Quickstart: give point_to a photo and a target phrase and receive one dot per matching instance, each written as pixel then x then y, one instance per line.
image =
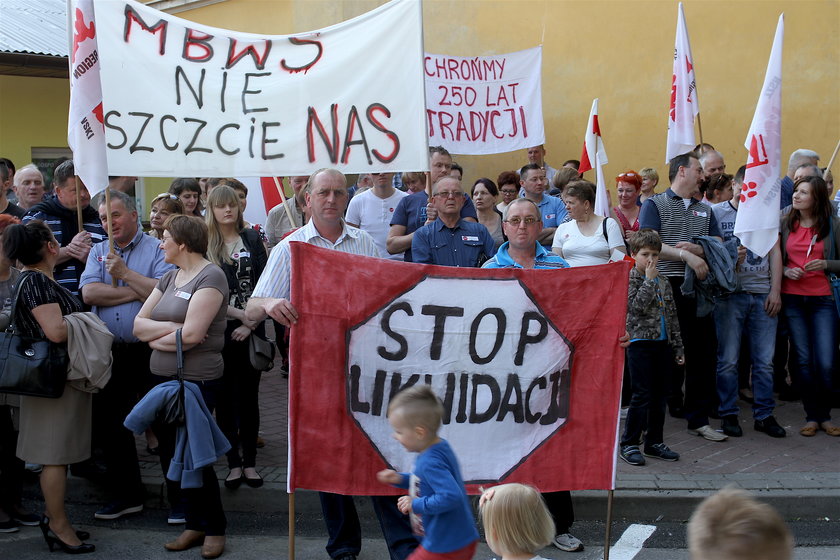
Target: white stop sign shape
pixel 501 368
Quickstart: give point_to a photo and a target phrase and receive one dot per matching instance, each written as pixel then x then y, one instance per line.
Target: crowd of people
pixel 708 321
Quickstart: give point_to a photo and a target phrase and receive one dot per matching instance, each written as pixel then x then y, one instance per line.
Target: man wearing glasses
pixel 522 224
pixel 450 240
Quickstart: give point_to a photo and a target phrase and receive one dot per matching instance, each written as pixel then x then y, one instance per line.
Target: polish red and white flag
pixel 85 130
pixel 594 156
pixel 757 221
pixel 684 103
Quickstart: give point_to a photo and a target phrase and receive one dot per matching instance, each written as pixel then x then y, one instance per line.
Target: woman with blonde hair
pixel 516 521
pixel 241 255
pixel 163 206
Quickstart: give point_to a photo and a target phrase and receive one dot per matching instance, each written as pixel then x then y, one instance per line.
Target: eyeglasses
pixel 165 195
pixel 447 194
pixel 627 175
pixel 509 191
pixel 529 221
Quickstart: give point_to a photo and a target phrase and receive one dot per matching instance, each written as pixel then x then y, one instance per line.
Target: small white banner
pixel 191 100
pixel 485 104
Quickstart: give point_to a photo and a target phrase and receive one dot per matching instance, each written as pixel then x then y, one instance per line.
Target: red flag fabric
pixel 527 363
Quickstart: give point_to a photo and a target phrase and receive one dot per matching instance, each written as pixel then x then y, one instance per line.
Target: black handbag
pixel 261 352
pixel 173 412
pixel 31 366
pixel 833 277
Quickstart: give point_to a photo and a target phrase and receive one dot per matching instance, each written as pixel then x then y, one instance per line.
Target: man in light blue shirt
pixel 136 264
pixel 553 211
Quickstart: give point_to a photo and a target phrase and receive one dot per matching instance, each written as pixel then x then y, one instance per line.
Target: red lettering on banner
pixel 395 140
pixel 131 16
pixel 197 40
pixel 755 159
pixel 305 67
pixel 259 58
pixel 475 125
pixel 332 140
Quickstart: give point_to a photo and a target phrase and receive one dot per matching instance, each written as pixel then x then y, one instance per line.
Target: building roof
pixel 34 27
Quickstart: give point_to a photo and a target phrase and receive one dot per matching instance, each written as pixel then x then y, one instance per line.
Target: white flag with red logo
pixel 684 103
pixel 85 131
pixel 594 156
pixel 757 221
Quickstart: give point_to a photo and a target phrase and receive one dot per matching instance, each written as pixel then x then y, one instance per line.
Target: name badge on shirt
pixel 183 295
pixel 550 216
pixel 699 214
pixel 469 238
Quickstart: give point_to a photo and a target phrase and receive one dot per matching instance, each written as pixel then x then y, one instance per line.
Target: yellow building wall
pixel 33 114
pixel 621 52
pixel 617 50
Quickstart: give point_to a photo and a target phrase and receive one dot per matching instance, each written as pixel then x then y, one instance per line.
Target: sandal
pixel 808 430
pixel 830 429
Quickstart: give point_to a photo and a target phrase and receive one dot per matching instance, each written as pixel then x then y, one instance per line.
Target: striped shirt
pixel 666 212
pixel 276 281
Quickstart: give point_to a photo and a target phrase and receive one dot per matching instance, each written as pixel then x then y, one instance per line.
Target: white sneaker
pixel 708 433
pixel 567 542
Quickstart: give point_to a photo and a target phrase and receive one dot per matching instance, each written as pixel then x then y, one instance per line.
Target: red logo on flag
pixel 748 191
pixel 673 97
pixel 81 32
pixel 756 159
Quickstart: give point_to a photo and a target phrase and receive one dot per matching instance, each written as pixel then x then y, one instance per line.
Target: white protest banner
pixel 191 100
pixel 485 104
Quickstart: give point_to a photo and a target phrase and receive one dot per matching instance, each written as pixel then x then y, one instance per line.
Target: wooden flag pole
pixel 831 161
pixel 79 203
pixel 291 526
pixel 609 525
pixel 288 210
pixel 109 226
pixel 700 126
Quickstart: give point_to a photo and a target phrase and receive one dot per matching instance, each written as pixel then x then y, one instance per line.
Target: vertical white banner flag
pixel 594 156
pixel 757 221
pixel 684 103
pixel 85 131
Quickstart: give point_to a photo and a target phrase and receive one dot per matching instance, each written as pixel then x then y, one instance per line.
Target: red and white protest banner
pixel 757 221
pixel 684 103
pixel 594 156
pixel 192 100
pixel 85 133
pixel 530 384
pixel 485 104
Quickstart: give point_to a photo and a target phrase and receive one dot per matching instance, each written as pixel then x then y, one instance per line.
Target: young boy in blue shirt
pixel 437 502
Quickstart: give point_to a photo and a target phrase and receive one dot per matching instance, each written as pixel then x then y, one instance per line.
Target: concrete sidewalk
pixel 798 475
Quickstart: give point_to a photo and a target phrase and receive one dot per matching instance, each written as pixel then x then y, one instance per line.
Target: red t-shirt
pixel 814 283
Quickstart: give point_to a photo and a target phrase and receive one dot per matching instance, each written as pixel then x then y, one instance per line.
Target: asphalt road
pixel 265 535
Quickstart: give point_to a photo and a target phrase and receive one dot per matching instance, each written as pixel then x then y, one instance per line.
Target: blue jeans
pixel 813 337
pixel 736 314
pixel 345 534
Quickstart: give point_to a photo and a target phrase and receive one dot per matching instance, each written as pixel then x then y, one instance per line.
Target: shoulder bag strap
pixel 12 328
pixel 179 356
pixel 604 230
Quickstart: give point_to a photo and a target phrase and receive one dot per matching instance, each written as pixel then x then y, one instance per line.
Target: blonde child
pixel 732 525
pixel 437 502
pixel 516 521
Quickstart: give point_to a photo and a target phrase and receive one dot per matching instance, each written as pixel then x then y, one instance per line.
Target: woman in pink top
pixel 808 233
